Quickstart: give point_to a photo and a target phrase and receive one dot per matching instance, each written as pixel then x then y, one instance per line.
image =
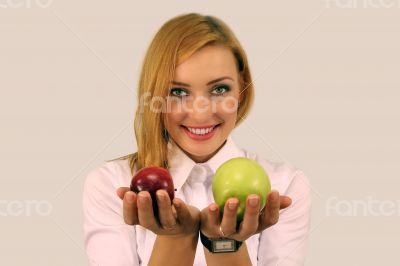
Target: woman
pixel 194 89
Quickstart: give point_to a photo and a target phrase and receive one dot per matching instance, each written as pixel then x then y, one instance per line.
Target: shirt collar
pixel 180 165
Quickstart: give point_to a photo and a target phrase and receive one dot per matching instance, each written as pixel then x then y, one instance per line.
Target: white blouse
pixel 109 241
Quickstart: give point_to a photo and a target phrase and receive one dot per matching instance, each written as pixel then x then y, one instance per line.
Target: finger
pixel 228 224
pixel 121 192
pixel 174 213
pixel 210 221
pixel 251 215
pixel 145 211
pixel 165 214
pixel 271 213
pixel 213 215
pixel 285 202
pixel 182 211
pixel 130 211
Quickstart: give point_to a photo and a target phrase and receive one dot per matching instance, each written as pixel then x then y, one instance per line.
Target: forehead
pixel 208 63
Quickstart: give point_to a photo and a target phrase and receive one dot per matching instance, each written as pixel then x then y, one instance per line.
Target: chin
pixel 198 153
pixel 202 153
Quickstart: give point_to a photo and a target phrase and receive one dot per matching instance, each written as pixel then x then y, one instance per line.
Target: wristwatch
pixel 220 245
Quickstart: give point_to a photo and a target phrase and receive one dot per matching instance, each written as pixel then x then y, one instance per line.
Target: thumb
pixel 121 192
pixel 285 202
pixel 183 212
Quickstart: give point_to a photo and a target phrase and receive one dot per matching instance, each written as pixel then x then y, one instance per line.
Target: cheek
pixel 174 114
pixel 228 115
pixel 228 106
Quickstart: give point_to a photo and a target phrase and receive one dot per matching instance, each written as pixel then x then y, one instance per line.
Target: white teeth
pixel 201 131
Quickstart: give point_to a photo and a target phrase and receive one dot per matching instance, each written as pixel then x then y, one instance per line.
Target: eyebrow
pixel 209 83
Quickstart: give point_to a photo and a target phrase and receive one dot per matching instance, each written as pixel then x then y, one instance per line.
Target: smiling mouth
pixel 201 131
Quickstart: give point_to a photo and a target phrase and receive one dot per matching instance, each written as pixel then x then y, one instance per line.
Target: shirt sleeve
pixel 285 242
pixel 108 240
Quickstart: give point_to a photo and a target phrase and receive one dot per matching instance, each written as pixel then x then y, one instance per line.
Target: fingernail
pixel 161 195
pixel 141 198
pixel 213 208
pixel 129 197
pixel 176 203
pixel 274 195
pixel 253 201
pixel 232 204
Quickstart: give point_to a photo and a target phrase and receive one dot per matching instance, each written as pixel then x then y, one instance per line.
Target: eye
pixel 178 92
pixel 221 89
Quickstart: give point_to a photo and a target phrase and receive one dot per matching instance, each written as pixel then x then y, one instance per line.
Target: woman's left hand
pixel 176 219
pixel 253 221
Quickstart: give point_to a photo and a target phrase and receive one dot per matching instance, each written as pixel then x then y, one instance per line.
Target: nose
pixel 200 110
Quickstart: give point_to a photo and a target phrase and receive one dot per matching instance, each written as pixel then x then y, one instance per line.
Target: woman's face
pixel 203 101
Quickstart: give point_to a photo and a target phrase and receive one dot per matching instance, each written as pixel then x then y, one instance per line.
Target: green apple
pixel 240 177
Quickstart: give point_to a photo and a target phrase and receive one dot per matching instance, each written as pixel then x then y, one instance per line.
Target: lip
pixel 202 137
pixel 200 127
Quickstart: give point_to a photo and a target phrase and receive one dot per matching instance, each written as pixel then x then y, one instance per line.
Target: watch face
pixel 225 245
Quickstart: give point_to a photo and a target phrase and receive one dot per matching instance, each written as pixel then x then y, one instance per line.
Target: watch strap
pixel 220 245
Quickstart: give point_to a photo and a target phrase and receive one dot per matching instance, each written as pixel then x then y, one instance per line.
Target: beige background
pixel 327 81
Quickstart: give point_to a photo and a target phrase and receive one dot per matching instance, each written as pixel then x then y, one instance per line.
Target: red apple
pixel 151 179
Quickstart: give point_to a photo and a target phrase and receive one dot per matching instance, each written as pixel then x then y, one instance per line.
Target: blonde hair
pixel 176 41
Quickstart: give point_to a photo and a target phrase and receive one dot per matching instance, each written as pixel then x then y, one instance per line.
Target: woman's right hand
pixel 176 219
